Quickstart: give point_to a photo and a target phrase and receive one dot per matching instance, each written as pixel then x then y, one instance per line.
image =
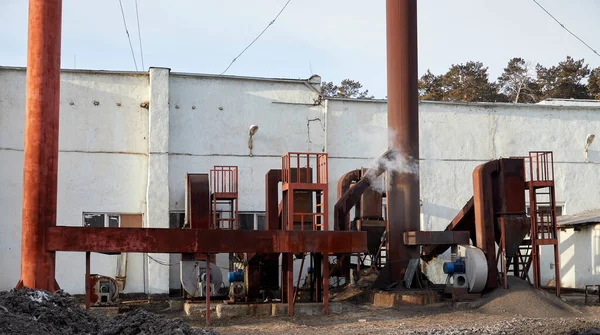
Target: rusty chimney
pixel 41 143
pixel 403 130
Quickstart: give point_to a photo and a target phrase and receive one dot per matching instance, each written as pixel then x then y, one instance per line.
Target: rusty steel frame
pixel 483 196
pixel 224 189
pixel 84 239
pixel 436 237
pixel 342 208
pixel 403 197
pixel 272 180
pixel 88 283
pixel 197 200
pixel 40 167
pixel 541 176
pixel 291 166
pixel 464 220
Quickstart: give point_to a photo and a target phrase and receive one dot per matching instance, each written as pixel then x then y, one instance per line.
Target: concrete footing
pixel 399 298
pixel 259 310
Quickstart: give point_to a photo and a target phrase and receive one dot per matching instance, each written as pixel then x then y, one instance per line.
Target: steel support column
pixel 403 126
pixel 88 283
pixel 325 275
pixel 208 291
pixel 289 277
pixel 41 143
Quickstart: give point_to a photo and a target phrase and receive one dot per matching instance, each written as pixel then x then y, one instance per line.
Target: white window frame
pixel 559 204
pixel 106 218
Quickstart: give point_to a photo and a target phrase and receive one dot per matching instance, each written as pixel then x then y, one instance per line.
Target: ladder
pixel 542 203
pixel 224 197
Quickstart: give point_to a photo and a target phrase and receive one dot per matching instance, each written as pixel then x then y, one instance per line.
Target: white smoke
pixel 395 160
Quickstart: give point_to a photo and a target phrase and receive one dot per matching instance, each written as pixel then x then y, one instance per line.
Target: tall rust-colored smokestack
pixel 403 127
pixel 41 142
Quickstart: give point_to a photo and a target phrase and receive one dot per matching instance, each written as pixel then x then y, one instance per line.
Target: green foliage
pixel 462 83
pixel 518 83
pixel 431 87
pixel 564 80
pixel 594 84
pixel 347 89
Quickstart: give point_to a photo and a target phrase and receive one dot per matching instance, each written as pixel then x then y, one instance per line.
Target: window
pixel 101 220
pixel 559 209
pixel 252 221
pixel 176 219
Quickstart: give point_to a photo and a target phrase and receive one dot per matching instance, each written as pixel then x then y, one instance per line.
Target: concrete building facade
pixel 128 139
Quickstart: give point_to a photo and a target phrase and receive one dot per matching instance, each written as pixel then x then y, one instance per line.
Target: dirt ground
pixel 441 318
pixel 519 310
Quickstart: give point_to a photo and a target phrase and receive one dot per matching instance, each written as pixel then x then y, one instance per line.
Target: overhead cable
pixel 137 17
pixel 128 37
pixel 257 37
pixel 565 28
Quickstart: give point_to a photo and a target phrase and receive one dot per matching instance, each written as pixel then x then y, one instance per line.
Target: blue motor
pixel 236 276
pixel 454 267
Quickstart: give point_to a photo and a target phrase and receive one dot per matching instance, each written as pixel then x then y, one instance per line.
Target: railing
pixel 541 166
pixel 297 167
pixel 224 180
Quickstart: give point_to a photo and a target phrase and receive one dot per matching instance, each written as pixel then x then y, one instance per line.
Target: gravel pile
pixel 27 311
pixel 522 299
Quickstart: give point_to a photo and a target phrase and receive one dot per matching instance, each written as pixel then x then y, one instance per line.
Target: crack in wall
pixel 493 131
pixel 308 121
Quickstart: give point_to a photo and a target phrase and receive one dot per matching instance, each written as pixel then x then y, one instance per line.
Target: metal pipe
pixel 403 131
pixel 41 142
pixel 325 275
pixel 88 283
pixel 207 289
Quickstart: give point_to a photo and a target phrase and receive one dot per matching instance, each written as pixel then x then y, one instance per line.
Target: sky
pixel 335 39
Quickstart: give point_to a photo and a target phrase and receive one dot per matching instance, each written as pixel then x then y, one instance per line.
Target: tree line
pixel 520 82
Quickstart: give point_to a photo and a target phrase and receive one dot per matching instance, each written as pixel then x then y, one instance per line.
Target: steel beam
pixel 159 240
pixel 464 220
pixel 40 167
pixel 403 131
pixel 436 237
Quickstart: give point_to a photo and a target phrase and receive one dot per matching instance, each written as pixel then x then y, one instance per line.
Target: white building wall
pixel 102 164
pixel 455 138
pixel 209 121
pixel 105 148
pixel 579 257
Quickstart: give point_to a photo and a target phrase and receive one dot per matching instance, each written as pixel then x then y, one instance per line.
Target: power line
pixel 565 28
pixel 257 37
pixel 137 17
pixel 128 37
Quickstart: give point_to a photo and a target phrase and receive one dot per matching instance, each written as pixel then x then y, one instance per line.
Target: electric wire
pixel 128 37
pixel 257 37
pixel 137 17
pixel 565 28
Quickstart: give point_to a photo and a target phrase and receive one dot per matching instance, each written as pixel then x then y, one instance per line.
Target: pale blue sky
pixel 338 39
